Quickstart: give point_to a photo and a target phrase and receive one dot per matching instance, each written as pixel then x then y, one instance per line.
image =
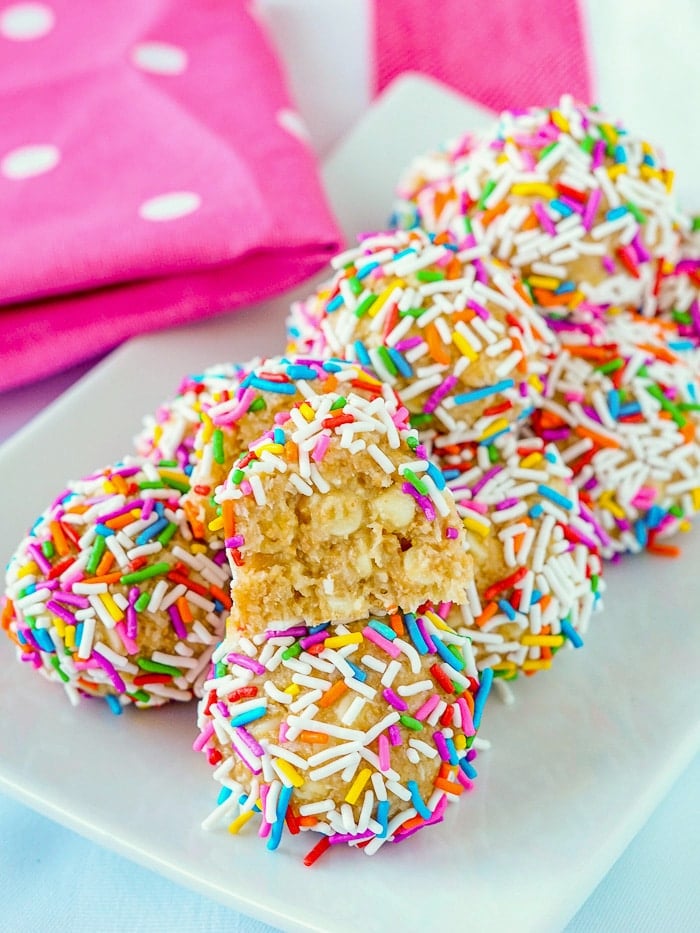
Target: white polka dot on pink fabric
pixel 170 206
pixel 159 58
pixel 292 122
pixel 27 161
pixel 22 22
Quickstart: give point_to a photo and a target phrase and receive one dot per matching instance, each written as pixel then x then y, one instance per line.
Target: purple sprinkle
pixel 313 639
pixel 598 154
pixel 135 504
pixel 471 754
pixel 420 622
pixel 250 740
pixel 407 344
pixel 341 838
pixel 394 700
pixel 545 220
pixel 571 203
pixel 478 309
pixel 439 394
pixel 38 555
pixel 489 474
pixel 71 599
pixel 111 671
pixel 609 264
pixel 235 541
pixel 591 210
pixel 296 631
pixel 60 611
pixel 441 746
pixel 507 503
pixel 394 734
pixel 249 663
pixel 176 620
pixel 643 254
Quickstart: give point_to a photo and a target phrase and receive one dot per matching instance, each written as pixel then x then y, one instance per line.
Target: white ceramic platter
pixel 577 764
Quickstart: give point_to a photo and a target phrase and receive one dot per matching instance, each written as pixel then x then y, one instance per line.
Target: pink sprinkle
pixel 609 264
pixel 320 448
pixel 245 487
pixel 384 755
pixel 282 417
pixel 203 737
pixel 132 622
pixel 426 709
pixel 391 649
pixel 147 508
pixel 451 533
pixel 475 505
pixel 234 414
pixel 284 728
pixel 444 609
pixel 128 643
pixel 598 153
pixel 467 721
pixel 545 220
pixel 464 780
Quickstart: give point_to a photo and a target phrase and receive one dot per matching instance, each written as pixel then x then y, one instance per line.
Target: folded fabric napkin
pixel 152 172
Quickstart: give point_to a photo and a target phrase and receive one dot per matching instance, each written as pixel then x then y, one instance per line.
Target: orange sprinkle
pixel 441 199
pixel 604 354
pixel 122 520
pixel 435 345
pixel 451 787
pixel 396 623
pixel 493 212
pixel 227 515
pixel 466 314
pixel 219 594
pixel 453 269
pixel 119 484
pixel 8 611
pixel 469 700
pixel 413 823
pixel 547 299
pixel 487 614
pixel 664 550
pixel 530 222
pixel 595 437
pixel 308 821
pixel 330 384
pixel 291 451
pixel 59 539
pixel 183 607
pixel 105 578
pixel 688 432
pixel 660 352
pixel 196 524
pixel 105 564
pixel 333 693
pixel 518 286
pixel 313 738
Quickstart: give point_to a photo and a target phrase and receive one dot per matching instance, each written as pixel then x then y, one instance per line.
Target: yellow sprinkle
pixel 684 526
pixel 500 424
pixel 69 636
pixel 292 689
pixel 460 741
pixel 531 460
pixel 279 448
pixel 550 641
pixel 575 299
pixel 28 570
pixel 358 786
pixel 669 179
pixel 463 345
pixel 536 383
pixel 606 501
pixel 504 666
pixel 437 621
pixel 535 188
pixel 108 487
pixel 289 771
pixel 338 641
pixel 648 171
pixel 207 428
pixel 383 296
pixel 217 524
pixel 558 119
pixel 473 524
pixel 240 822
pixel 646 148
pixel 609 132
pixel 696 499
pixel 307 411
pixel 197 548
pixel 537 665
pixel 619 169
pixel 548 282
pixel 60 625
pixel 111 607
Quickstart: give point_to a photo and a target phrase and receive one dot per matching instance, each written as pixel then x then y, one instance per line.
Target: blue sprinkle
pixel 114 704
pixel 159 509
pixel 551 457
pixel 224 794
pixel 383 818
pixel 454 662
pixel 648 159
pixel 454 757
pixel 404 252
pixel 400 363
pixel 436 476
pixel 616 212
pixel 450 474
pixel 383 629
pixel 218 605
pixel 484 392
pixel 536 597
pixel 44 640
pixel 640 532
pixel 266 385
pixel 277 827
pixel 358 673
pixel 415 633
pixel 332 366
pixel 418 801
pixel 249 715
pixel 535 510
pixel 614 403
pixel 152 531
pixel 365 270
pixel 560 207
pixel 487 441
pixel 482 695
pixel 278 436
pixel 654 516
pixel 79 632
pixel 630 408
pixel 548 493
pixel 565 288
pixel 361 353
pixel 568 631
pixel 318 628
pixel 620 154
pixel 103 531
pixel 680 345
pixel 506 607
pixel 468 768
pixel 243 799
pixel 299 371
pixel 335 302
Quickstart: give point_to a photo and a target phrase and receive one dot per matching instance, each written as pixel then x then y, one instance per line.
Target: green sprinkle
pixel 386 359
pixel 151 484
pixel 420 420
pixel 47 549
pixel 173 483
pixel 217 443
pixel 429 275
pixel 293 651
pixel 676 510
pixel 355 284
pixel 365 305
pixel 417 483
pixel 639 215
pixel 168 463
pixel 95 555
pixel 167 533
pixel 488 188
pixel 237 476
pixel 611 366
pixel 412 312
pixel 689 406
pixel 682 317
pixel 140 696
pixel 411 723
pixel 658 394
pixel 258 404
pixel 412 442
pixel 468 225
pixel 142 602
pixel 587 144
pixel 57 666
pixel 695 224
pixel 154 667
pixel 493 453
pixel 339 403
pixel 595 580
pixel 155 570
pixel 220 669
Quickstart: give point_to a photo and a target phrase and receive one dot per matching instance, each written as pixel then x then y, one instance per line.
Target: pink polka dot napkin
pixel 152 172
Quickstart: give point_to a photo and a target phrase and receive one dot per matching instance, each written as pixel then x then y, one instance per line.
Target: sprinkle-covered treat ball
pixel 581 208
pixel 535 549
pixel 361 732
pixel 336 513
pixel 168 434
pixel 109 594
pixel 623 409
pixel 233 419
pixel 455 334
